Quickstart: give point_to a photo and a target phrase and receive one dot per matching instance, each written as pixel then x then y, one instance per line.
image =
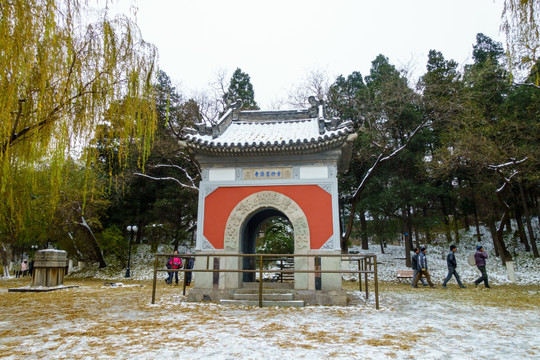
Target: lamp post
pixel 131 229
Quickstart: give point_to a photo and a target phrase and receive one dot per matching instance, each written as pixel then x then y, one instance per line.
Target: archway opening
pixel 267 231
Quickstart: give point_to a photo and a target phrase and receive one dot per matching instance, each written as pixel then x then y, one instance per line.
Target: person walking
pixel 175 263
pixel 24 268
pixel 452 265
pixel 190 261
pixel 422 268
pixel 414 267
pixel 480 257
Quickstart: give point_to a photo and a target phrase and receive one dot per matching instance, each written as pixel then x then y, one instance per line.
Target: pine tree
pixel 240 87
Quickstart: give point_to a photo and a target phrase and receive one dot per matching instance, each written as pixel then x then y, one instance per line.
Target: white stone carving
pixel 208 189
pixel 206 245
pixel 329 244
pixel 205 174
pixel 326 187
pixel 262 200
pixel 332 171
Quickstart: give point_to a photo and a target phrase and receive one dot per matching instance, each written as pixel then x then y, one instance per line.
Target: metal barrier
pixel 367 264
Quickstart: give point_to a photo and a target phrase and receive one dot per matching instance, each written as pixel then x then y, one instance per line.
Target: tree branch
pixel 167 178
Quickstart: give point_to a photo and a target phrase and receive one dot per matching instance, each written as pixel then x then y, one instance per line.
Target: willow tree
pixel 63 76
pixel 521 24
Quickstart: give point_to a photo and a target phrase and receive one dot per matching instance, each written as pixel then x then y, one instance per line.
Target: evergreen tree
pixel 240 87
pixel 277 238
pixel 390 120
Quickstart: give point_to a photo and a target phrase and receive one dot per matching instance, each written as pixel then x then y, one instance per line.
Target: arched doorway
pixel 260 206
pixel 257 202
pixel 252 231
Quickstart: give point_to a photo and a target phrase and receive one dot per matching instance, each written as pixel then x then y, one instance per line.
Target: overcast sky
pixel 277 42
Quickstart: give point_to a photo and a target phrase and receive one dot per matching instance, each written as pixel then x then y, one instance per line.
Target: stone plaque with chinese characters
pixel 267 173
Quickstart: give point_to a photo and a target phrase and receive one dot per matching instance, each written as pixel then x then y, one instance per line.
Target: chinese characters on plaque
pixel 267 173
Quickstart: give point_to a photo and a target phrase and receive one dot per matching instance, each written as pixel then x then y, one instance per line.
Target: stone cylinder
pixel 49 268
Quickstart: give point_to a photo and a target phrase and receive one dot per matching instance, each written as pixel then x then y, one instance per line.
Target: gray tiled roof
pixel 269 132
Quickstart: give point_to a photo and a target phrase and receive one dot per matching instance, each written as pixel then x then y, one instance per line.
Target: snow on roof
pixel 270 132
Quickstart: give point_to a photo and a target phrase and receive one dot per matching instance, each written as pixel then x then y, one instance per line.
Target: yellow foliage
pixel 61 79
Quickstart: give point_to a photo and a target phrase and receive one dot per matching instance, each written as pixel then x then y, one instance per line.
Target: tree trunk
pixel 408 249
pixel 408 222
pixel 445 220
pixel 93 242
pixel 466 224
pixel 475 212
pixel 521 230
pixel 537 206
pixel 416 235
pixel 508 224
pixel 455 227
pixel 348 230
pixel 528 220
pixel 5 263
pixel 505 255
pixel 363 230
pixel 493 230
pixel 428 232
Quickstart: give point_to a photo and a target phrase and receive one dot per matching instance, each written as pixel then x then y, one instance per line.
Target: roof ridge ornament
pixel 236 105
pixel 318 110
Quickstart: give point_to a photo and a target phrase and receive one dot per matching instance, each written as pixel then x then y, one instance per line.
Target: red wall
pixel 314 202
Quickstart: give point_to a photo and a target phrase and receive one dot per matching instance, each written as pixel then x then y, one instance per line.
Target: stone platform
pixel 41 288
pixel 273 293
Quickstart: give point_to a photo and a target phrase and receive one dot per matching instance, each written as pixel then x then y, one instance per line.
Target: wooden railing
pixel 367 265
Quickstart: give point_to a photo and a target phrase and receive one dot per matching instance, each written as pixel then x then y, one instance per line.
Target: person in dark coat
pixel 452 265
pixel 190 261
pixel 31 268
pixel 422 268
pixel 414 266
pixel 480 257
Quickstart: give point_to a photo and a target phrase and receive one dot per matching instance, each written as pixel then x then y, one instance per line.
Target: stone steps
pixel 271 297
pixel 265 291
pixel 265 303
pixel 269 285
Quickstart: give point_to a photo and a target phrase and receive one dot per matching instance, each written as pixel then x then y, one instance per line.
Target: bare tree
pixel 315 83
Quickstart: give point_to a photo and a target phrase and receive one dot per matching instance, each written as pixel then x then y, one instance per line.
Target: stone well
pixel 49 268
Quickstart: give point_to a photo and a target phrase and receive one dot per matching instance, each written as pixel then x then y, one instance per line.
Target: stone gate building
pixel 260 164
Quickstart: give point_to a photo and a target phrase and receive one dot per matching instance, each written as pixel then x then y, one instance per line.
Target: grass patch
pixel 506 296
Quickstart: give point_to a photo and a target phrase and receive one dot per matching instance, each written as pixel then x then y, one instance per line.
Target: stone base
pixel 310 297
pixel 42 289
pixel 322 297
pixel 197 295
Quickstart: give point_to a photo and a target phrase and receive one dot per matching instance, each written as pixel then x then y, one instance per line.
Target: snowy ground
pixel 104 322
pixel 96 321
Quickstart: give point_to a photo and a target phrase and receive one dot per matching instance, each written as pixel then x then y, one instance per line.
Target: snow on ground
pixel 96 321
pixel 526 267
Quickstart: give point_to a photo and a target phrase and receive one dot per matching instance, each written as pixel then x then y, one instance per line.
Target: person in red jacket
pixel 173 263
